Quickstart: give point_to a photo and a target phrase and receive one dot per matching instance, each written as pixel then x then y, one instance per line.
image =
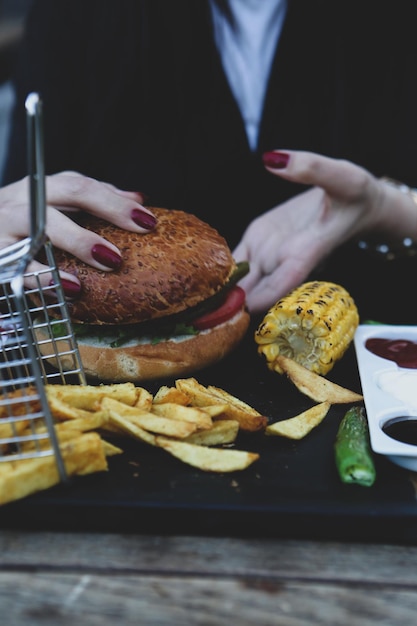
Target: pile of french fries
pixel 196 424
pixel 189 421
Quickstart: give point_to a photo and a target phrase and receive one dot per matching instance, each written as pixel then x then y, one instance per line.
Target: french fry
pixel 128 427
pixel 39 439
pixel 88 396
pixel 222 432
pixel 65 435
pixel 191 414
pixel 110 449
pixel 249 419
pixel 171 394
pixel 299 426
pixel 216 411
pixel 148 421
pixel 92 421
pixel 81 455
pixel 208 459
pixel 144 399
pixel 63 410
pixel 169 426
pixel 13 428
pixel 198 394
pixel 110 428
pixel 17 401
pixel 164 426
pixel 315 386
pixel 14 408
pixel 84 455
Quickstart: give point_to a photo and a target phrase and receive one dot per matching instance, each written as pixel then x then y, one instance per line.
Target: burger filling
pixel 217 309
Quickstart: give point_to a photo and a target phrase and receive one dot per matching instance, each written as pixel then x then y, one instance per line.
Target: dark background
pixel 12 15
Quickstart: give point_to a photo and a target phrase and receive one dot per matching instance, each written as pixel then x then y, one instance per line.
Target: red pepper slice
pixel 233 302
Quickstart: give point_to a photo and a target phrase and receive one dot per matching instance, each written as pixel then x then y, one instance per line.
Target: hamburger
pixel 172 308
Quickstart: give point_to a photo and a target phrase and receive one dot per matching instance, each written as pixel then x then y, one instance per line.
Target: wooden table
pixel 68 578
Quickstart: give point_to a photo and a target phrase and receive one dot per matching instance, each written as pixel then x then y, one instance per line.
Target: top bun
pixel 179 264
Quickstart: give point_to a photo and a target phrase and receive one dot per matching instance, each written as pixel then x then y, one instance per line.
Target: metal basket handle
pixel 36 168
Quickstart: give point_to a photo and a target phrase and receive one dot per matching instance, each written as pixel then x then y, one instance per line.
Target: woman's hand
pixel 285 244
pixel 68 192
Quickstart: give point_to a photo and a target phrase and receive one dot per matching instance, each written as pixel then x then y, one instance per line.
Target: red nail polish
pixel 106 257
pixel 71 289
pixel 276 160
pixel 143 219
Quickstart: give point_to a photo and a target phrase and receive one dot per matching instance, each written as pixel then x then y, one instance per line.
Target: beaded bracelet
pixel 399 249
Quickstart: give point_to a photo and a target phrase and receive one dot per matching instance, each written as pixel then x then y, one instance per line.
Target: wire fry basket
pixel 37 344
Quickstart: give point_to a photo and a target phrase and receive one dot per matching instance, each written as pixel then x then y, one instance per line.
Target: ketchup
pixel 402 351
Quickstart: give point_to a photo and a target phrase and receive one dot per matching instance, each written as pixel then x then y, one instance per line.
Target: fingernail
pixel 69 287
pixel 143 219
pixel 106 257
pixel 276 160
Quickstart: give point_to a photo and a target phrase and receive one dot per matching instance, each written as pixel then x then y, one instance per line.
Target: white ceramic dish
pixel 389 392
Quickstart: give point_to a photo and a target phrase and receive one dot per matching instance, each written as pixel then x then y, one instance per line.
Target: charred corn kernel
pixel 314 325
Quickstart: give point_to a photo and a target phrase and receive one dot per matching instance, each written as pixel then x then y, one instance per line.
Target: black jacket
pixel 134 94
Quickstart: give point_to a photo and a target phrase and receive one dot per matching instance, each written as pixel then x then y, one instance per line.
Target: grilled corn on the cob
pixel 314 325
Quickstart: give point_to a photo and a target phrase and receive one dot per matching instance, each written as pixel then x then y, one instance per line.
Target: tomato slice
pixel 234 301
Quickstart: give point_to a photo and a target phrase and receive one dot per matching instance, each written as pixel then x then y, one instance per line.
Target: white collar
pixel 246 43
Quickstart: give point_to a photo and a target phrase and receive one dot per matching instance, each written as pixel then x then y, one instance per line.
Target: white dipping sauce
pixel 402 384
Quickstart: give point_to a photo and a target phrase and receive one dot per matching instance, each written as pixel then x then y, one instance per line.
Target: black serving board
pixel 293 490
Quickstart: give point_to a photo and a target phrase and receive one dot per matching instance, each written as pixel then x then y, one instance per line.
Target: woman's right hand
pixel 66 193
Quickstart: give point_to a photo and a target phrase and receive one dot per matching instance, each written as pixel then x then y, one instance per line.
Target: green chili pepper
pixel 353 454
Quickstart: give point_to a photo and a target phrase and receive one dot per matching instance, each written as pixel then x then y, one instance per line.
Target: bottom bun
pixel 162 360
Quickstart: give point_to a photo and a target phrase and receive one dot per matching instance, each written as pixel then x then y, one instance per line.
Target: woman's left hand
pixel 343 201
